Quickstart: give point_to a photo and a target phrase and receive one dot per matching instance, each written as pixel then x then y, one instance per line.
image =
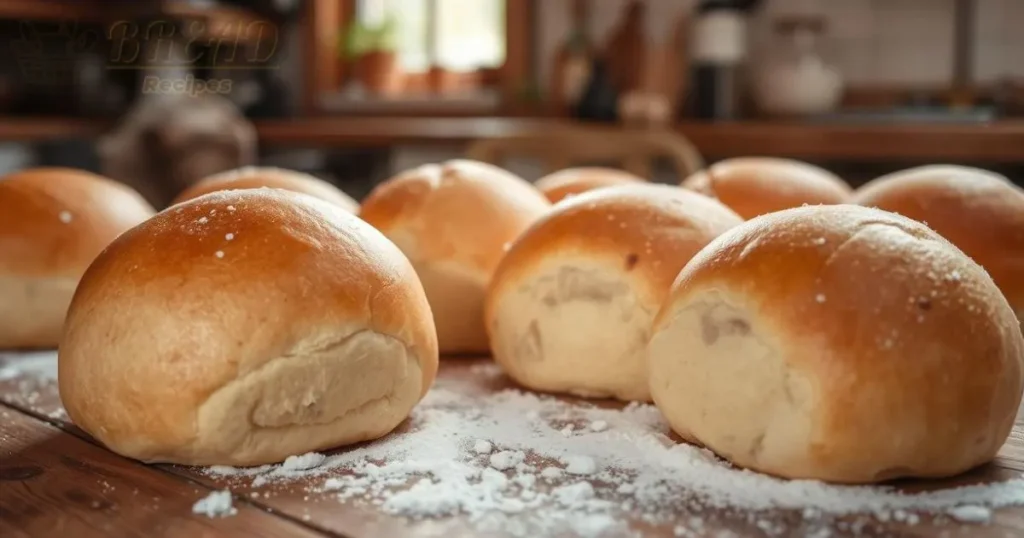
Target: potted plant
pixel 373 51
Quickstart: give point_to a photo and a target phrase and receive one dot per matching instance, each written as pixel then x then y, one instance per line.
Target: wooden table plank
pixel 324 512
pixel 53 483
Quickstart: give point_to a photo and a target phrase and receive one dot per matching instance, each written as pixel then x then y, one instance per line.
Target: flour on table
pixel 216 504
pixel 502 462
pixel 969 513
pixel 40 365
pixel 35 375
pixel 304 462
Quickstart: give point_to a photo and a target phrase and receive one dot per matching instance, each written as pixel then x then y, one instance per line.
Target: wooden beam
pixel 516 69
pixel 322 25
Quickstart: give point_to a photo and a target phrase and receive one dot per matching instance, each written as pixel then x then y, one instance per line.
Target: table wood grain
pixel 55 480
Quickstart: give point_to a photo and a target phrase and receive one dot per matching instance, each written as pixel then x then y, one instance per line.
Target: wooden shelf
pixel 45 129
pixel 1001 141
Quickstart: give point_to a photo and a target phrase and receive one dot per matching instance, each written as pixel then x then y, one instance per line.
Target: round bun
pixel 838 343
pixel 571 304
pixel 243 327
pixel 454 221
pixel 754 186
pixel 980 212
pixel 256 177
pixel 573 181
pixel 53 222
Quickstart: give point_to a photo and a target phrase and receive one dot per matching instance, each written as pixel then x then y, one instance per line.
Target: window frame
pixel 326 72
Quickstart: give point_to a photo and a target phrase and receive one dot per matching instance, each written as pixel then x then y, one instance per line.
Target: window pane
pixel 470 33
pixel 411 17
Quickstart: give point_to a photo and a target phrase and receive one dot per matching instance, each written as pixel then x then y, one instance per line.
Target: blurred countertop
pixel 995 141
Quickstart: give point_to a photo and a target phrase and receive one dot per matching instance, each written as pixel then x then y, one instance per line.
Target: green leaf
pixel 360 38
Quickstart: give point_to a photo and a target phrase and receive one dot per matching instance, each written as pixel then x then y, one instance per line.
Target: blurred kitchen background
pixel 354 90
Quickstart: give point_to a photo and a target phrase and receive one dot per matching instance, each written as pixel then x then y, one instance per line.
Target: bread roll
pixel 754 186
pixel 255 177
pixel 571 304
pixel 573 181
pixel 838 343
pixel 454 221
pixel 53 222
pixel 980 212
pixel 243 327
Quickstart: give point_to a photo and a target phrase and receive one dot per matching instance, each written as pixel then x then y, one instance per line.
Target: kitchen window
pixel 456 35
pixel 454 57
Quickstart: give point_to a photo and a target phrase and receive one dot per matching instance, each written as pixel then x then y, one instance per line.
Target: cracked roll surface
pixel 838 343
pixel 242 327
pixel 256 177
pixel 53 222
pixel 572 181
pixel 753 186
pixel 454 221
pixel 979 211
pixel 571 304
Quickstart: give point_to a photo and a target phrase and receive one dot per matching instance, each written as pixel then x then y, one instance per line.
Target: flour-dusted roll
pixel 979 211
pixel 839 343
pixel 255 177
pixel 53 222
pixel 572 181
pixel 571 304
pixel 243 327
pixel 454 221
pixel 754 186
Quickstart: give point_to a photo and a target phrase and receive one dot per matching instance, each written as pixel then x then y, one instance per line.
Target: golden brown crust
pixel 54 221
pixel 602 261
pixel 901 336
pixel 980 212
pixel 255 177
pixel 234 279
pixel 463 212
pixel 453 221
pixel 655 229
pixel 573 181
pixel 754 186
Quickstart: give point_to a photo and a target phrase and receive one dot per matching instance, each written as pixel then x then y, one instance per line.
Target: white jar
pixel 796 81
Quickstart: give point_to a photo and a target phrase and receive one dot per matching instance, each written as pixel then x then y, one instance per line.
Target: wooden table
pixel 56 481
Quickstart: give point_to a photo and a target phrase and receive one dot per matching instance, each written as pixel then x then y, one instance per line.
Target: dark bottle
pixel 719 55
pixel 599 101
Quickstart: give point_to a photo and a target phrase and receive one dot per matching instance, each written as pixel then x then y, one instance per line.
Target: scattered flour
pixel 304 462
pixel 506 459
pixel 216 504
pixel 219 253
pixel 503 462
pixel 970 513
pixel 40 366
pixel 582 465
pixel 65 216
